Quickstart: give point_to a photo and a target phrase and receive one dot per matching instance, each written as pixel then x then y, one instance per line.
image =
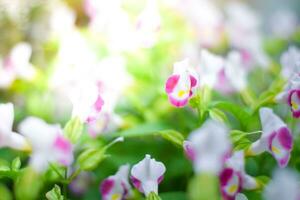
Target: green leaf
pixel 218 115
pixel 241 140
pixel 28 185
pixel 172 136
pixel 204 187
pixel 153 196
pixel 73 129
pixel 16 164
pixel 5 193
pixel 91 158
pixel 237 111
pixel 55 194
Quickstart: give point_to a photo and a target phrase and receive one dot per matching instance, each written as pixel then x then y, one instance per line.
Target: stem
pixel 65 184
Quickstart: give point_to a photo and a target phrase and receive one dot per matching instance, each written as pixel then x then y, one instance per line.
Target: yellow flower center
pixel 275 150
pixel 115 197
pixel 181 93
pixel 232 188
pixel 294 105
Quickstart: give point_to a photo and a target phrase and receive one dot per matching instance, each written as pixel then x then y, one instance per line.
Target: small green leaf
pixel 16 164
pixel 241 139
pixel 73 129
pixel 218 115
pixel 91 158
pixel 5 193
pixel 54 194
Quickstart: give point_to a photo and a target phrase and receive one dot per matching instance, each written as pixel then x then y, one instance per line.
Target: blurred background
pixel 129 47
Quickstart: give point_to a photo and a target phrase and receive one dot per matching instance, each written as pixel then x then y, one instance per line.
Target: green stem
pixel 65 185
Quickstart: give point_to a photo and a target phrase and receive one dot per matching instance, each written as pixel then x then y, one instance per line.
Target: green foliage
pixel 55 194
pixel 73 129
pixel 91 158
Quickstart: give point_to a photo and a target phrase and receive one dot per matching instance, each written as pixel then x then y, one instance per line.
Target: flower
pixel 81 183
pixel 290 62
pixel 208 147
pixel 283 23
pixel 291 95
pixel 285 185
pixel 48 143
pixel 116 187
pixel 276 138
pixel 233 76
pixel 8 138
pixel 209 68
pixel 87 102
pixel 16 65
pixel 181 83
pixel 147 174
pixel 233 178
pixel 148 24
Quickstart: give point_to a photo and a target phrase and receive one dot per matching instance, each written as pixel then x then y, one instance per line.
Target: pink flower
pixel 116 187
pixel 48 143
pixel 291 95
pixel 276 138
pixel 180 85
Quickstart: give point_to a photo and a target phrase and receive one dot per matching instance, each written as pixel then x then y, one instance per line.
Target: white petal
pixel 249 183
pixel 18 141
pixel 6 116
pixel 270 121
pixel 211 143
pixel 148 171
pixel 285 185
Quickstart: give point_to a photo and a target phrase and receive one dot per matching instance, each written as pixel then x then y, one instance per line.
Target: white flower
pixel 209 67
pixel 8 138
pixel 210 144
pixel 235 72
pixel 285 185
pixel 147 174
pixel 290 62
pixel 48 143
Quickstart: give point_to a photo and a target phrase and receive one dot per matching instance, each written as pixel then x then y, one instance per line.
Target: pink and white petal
pixel 230 183
pixel 178 102
pixel 249 183
pixel 294 102
pixel 106 187
pixel 171 83
pixel 188 150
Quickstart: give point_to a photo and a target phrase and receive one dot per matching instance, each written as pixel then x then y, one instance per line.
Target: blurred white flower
pixel 283 23
pixel 243 27
pixel 241 196
pixel 235 71
pixel 285 185
pixel 209 146
pixel 206 18
pixel 290 62
pixel 147 174
pixel 209 68
pixel 16 65
pixel 8 137
pixel 116 186
pixel 48 144
pixel 148 24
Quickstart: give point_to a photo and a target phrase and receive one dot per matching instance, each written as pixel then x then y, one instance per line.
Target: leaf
pixel 237 111
pixel 153 196
pixel 241 140
pixel 91 158
pixel 218 115
pixel 73 129
pixel 172 136
pixel 55 194
pixel 16 164
pixel 5 193
pixel 28 185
